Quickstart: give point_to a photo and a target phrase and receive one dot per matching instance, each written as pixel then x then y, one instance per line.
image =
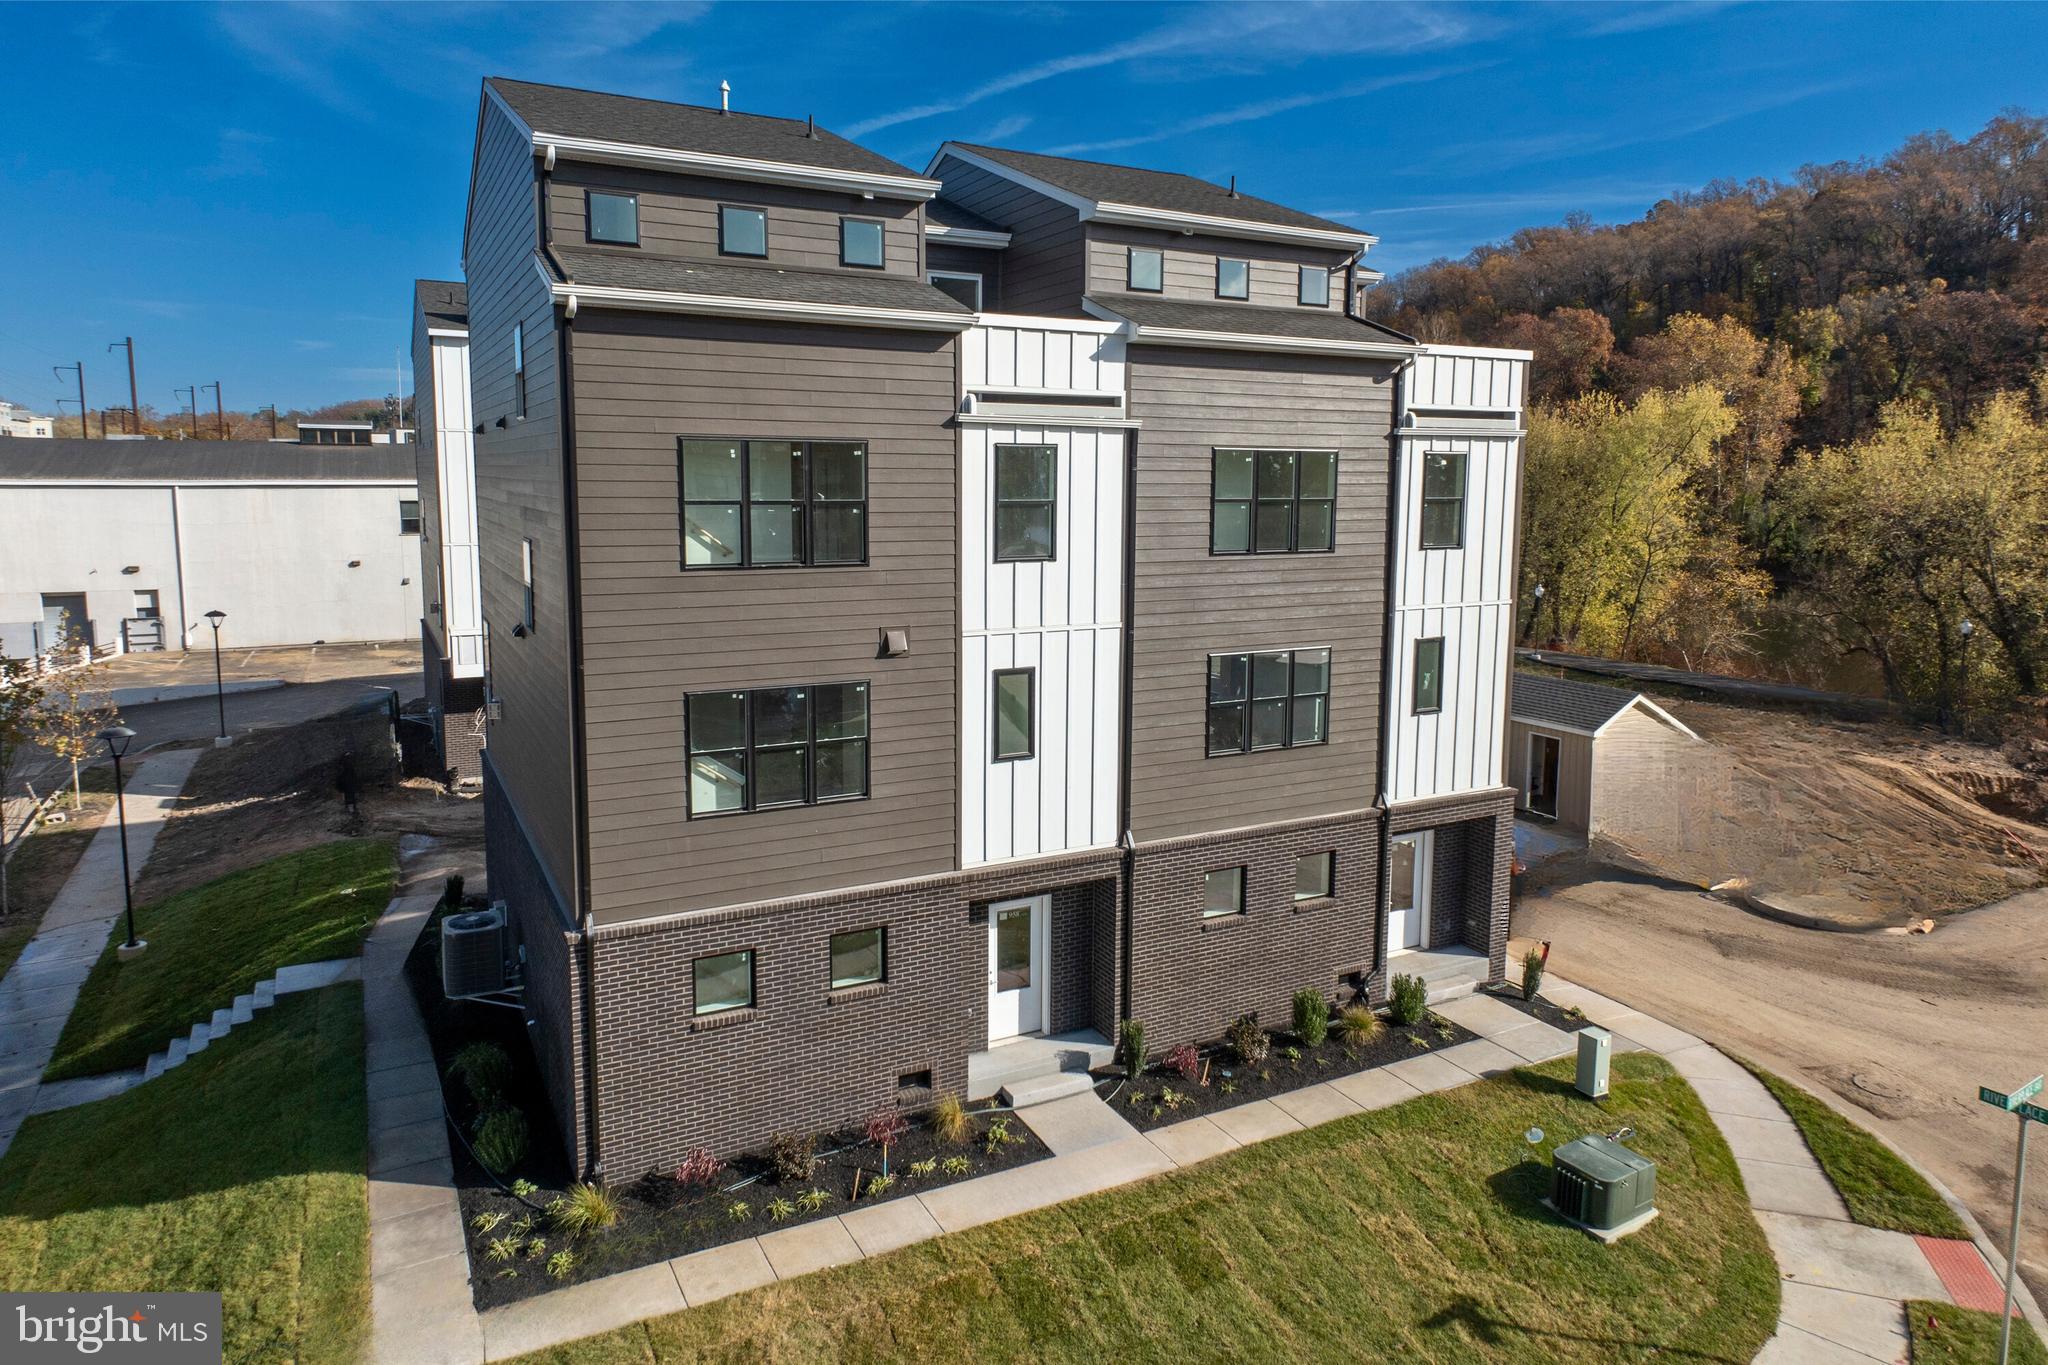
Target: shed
pixel 1582 755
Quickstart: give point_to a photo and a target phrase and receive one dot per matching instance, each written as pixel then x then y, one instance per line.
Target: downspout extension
pixel 1383 874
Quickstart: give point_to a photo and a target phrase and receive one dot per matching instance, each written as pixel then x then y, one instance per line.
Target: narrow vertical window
pixel 1014 704
pixel 1026 480
pixel 612 217
pixel 519 369
pixel 1315 286
pixel 860 243
pixel 526 614
pixel 1233 278
pixel 1443 499
pixel 408 517
pixel 1223 892
pixel 1429 675
pixel 1147 271
pixel 742 231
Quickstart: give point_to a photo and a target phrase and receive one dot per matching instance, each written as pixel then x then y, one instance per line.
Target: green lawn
pixel 1944 1334
pixel 216 941
pixel 241 1171
pixel 43 860
pixel 1411 1234
pixel 1880 1190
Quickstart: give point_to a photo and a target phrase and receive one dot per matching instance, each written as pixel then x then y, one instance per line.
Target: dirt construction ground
pixel 1863 827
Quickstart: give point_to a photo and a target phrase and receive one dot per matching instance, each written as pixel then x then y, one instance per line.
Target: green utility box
pixel 1603 1186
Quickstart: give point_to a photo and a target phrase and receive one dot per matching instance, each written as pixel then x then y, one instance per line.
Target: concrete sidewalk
pixel 37 995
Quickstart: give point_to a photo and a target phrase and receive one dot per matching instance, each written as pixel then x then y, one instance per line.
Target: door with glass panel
pixel 1017 989
pixel 1408 893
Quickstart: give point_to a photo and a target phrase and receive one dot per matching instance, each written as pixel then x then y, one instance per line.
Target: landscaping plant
pixel 1311 1017
pixel 1532 973
pixel 949 1119
pixel 699 1168
pixel 884 1126
pixel 485 1070
pixel 1248 1040
pixel 1185 1060
pixel 1358 1024
pixel 793 1155
pixel 501 1140
pixel 586 1208
pixel 1408 1000
pixel 1130 1048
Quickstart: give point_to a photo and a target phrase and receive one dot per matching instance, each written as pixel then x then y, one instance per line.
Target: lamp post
pixel 1535 610
pixel 220 694
pixel 1967 629
pixel 117 738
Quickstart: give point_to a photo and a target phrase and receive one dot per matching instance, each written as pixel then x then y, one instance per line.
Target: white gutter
pixel 736 167
pixel 726 306
pixel 1247 341
pixel 966 236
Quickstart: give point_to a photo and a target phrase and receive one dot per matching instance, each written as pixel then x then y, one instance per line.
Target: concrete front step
pixel 1055 1085
pixel 243 1010
pixel 199 1039
pixel 222 1021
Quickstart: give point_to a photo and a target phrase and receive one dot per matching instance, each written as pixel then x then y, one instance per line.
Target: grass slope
pixel 1881 1190
pixel 1410 1234
pixel 43 860
pixel 241 1171
pixel 214 942
pixel 1944 1334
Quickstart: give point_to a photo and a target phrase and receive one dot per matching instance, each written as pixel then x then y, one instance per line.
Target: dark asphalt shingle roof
pixel 1543 699
pixel 1303 324
pixel 71 461
pixel 1167 190
pixel 945 211
pixel 442 301
pixel 685 127
pixel 623 270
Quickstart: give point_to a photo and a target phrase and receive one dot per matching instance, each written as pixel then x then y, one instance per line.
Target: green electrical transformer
pixel 1603 1186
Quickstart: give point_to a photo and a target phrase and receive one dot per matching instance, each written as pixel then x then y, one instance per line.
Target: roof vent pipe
pixel 811 126
pixel 1233 187
pixel 725 97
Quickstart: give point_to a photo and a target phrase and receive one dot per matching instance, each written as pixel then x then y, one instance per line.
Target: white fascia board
pixel 726 306
pixel 1477 352
pixel 1245 341
pixel 448 333
pixel 1655 711
pixel 212 483
pixel 1110 325
pixel 1133 215
pixel 1028 417
pixel 736 167
pixel 1465 431
pixel 965 236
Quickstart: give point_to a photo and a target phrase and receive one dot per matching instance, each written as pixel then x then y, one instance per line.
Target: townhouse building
pixel 935 616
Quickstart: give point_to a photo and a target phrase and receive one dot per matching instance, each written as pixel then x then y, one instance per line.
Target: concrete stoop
pixel 1056 1085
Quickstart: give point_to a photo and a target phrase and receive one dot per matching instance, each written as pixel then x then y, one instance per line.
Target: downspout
pixel 1388 701
pixel 1129 841
pixel 178 572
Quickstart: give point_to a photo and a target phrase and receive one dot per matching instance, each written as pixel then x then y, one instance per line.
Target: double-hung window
pixel 1026 483
pixel 1233 278
pixel 777 746
pixel 612 217
pixel 858 957
pixel 1443 499
pixel 767 504
pixel 408 516
pixel 1273 502
pixel 1147 271
pixel 1274 699
pixel 860 243
pixel 742 231
pixel 1315 286
pixel 1429 675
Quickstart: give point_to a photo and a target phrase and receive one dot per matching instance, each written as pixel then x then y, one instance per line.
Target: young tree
pixel 77 705
pixel 21 698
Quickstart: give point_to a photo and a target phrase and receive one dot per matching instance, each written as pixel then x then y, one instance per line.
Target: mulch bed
pixel 513 1241
pixel 1557 1016
pixel 1164 1096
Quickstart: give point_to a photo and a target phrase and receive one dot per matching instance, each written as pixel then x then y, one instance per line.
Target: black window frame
pixel 881 933
pixel 1294 499
pixel 1222 261
pixel 1131 269
pixel 1328 858
pixel 526 594
pixel 725 250
pixel 1457 500
pixel 932 278
pixel 412 517
pixel 1415 677
pixel 749 800
pixel 995 689
pixel 590 197
pixel 697 1010
pixel 1242 873
pixel 999 502
pixel 881 227
pixel 1309 272
pixel 519 370
pixel 808 502
pixel 1243 705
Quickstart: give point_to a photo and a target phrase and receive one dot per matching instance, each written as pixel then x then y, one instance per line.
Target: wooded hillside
pixel 1788 428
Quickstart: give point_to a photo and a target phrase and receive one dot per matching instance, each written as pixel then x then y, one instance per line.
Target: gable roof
pixel 947 213
pixel 1194 322
pixel 569 112
pixel 1130 193
pixel 1580 707
pixel 75 461
pixel 442 303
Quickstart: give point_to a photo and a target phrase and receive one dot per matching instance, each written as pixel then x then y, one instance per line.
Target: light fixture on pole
pixel 220 694
pixel 1967 629
pixel 117 739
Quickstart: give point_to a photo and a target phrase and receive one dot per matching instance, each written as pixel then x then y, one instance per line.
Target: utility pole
pixel 58 370
pixel 134 403
pixel 272 410
pixel 220 422
pixel 191 407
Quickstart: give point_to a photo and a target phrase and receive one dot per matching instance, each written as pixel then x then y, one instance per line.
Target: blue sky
pixel 251 189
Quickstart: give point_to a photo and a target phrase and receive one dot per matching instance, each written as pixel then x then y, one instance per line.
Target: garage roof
pixel 1579 707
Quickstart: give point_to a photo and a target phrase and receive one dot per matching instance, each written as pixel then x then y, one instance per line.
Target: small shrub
pixel 880 1186
pixel 451 892
pixel 1311 1017
pixel 536 1248
pixel 813 1199
pixel 1358 1025
pixel 780 1210
pixel 738 1211
pixel 699 1169
pixel 1532 973
pixel 586 1208
pixel 561 1263
pixel 502 1249
pixel 794 1156
pixel 1292 1054
pixel 485 1070
pixel 954 1165
pixel 883 1127
pixel 949 1119
pixel 487 1222
pixel 1130 1047
pixel 501 1140
pixel 1228 1087
pixel 923 1169
pixel 1408 999
pixel 1248 1040
pixel 524 1189
pixel 1185 1060
pixel 523 1225
pixel 1172 1098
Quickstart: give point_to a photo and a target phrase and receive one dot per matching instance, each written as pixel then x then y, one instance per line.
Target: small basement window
pixel 723 982
pixel 1223 892
pixel 1314 874
pixel 613 217
pixel 857 957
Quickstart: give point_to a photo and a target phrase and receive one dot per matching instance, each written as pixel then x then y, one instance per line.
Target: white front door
pixel 1408 889
pixel 1018 933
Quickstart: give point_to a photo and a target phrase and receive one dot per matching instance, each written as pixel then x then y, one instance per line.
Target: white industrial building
pixel 19 421
pixel 131 543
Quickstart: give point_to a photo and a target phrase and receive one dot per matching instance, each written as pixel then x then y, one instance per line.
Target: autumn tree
pixel 1571 349
pixel 21 699
pixel 76 706
pixel 1758 381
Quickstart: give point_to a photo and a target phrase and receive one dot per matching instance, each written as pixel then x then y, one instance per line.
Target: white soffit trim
pixel 1477 352
pixel 964 236
pixel 453 332
pixel 1245 341
pixel 1134 215
pixel 1551 727
pixel 736 167
pixel 726 306
pixel 1655 711
pixel 1032 417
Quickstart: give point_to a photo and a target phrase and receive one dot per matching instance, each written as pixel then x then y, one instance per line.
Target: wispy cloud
pixel 1642 18
pixel 1002 130
pixel 1241 32
pixel 1262 109
pixel 238 152
pixel 309 345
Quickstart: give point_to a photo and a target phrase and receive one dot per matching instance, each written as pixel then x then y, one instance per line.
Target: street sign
pixel 2010 1103
pixel 2034 1112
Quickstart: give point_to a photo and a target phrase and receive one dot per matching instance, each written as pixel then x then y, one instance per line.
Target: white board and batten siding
pixel 455 452
pixel 1062 617
pixel 1467 400
pixel 1006 354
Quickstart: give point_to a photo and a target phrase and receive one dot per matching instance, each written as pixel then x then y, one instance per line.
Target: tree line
pixel 1795 428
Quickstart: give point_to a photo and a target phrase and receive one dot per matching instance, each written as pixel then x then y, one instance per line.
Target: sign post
pixel 2014 1103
